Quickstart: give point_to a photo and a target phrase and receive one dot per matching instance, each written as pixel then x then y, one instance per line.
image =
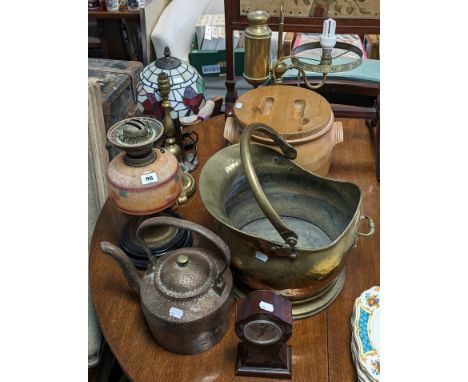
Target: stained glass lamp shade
pixel 187 93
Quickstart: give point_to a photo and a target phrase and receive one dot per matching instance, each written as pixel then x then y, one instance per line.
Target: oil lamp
pixel 257 67
pixel 144 180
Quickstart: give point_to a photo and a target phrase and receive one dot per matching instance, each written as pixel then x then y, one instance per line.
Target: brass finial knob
pixel 167 62
pixel 182 260
pixel 258 17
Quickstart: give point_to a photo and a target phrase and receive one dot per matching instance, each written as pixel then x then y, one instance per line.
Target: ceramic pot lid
pixel 294 112
pixel 184 273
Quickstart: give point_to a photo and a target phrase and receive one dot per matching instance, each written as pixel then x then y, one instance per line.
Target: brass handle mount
pixel 371 226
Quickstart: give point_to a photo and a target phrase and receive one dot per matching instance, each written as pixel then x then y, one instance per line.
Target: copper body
pixel 186 295
pixel 289 230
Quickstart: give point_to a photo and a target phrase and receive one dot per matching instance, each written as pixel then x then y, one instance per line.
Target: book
pixel 221 45
pixel 211 34
pixel 200 29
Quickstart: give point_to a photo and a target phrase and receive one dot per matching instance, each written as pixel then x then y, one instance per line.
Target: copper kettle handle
pixel 290 152
pixel 194 227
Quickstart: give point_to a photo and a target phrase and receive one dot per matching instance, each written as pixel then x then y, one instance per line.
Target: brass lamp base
pixel 188 187
pixel 190 164
pixel 308 307
pixel 159 239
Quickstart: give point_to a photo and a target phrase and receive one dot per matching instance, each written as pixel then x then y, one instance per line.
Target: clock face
pixel 262 332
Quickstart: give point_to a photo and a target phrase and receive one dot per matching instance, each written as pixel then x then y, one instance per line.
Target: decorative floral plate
pixel 362 375
pixel 366 332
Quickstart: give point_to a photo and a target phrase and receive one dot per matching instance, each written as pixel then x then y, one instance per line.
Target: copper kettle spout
pixel 128 269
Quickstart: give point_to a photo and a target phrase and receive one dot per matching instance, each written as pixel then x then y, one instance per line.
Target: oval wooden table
pixel 320 344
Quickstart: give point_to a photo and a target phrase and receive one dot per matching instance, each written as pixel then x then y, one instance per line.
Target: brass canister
pixel 257 48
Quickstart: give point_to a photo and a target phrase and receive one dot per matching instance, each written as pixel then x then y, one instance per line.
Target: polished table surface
pixel 320 344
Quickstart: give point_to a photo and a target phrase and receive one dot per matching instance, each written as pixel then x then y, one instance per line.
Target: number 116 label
pixel 148 178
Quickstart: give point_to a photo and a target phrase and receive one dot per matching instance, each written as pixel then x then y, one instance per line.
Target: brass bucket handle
pixel 194 227
pixel 371 225
pixel 290 152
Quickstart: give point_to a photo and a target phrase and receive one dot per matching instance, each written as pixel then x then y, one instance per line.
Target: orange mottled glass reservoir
pixel 142 180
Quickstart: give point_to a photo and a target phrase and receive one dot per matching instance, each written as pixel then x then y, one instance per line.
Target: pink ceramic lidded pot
pixel 301 116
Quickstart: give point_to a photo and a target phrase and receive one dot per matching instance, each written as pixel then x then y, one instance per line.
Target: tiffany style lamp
pixel 187 94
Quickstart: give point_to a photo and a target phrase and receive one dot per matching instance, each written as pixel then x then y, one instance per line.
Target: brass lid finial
pixel 258 17
pixel 182 260
pixel 167 62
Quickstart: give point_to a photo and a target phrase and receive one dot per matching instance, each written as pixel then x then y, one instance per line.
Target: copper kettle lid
pixel 185 273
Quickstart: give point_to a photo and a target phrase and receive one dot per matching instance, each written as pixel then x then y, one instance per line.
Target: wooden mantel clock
pixel 264 324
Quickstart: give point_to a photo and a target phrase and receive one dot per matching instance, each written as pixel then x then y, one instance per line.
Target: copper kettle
pixel 186 294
